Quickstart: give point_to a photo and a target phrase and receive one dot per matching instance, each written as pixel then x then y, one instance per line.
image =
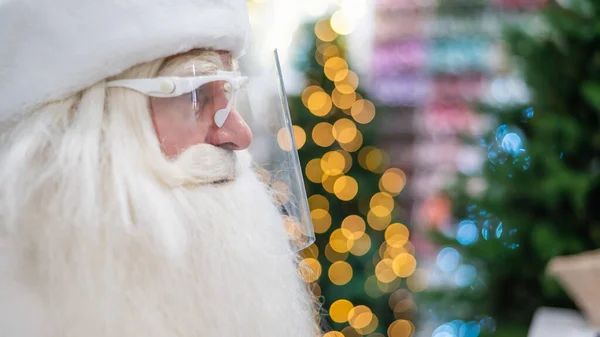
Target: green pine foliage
pixel 549 204
pixel 368 185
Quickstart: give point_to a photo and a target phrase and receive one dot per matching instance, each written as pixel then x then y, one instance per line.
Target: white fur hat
pixel 50 49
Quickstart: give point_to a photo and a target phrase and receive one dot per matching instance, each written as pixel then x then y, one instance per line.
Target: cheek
pixel 175 133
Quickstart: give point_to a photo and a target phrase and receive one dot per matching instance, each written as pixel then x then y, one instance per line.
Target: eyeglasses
pixel 210 94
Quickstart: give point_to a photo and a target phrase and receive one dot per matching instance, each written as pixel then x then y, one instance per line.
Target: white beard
pixel 205 261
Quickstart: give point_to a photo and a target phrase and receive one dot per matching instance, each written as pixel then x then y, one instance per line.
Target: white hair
pixel 102 235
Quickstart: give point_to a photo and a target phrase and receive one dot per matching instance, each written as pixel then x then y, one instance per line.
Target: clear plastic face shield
pixel 196 105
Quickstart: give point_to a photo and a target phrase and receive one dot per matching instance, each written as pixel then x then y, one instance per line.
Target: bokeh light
pixel 309 269
pixel 418 281
pixel 333 66
pixel 396 235
pixel 317 201
pixel 392 181
pixel 448 259
pixel 339 310
pixel 384 271
pixel 345 188
pixel 299 136
pixel 313 170
pixel 333 334
pixel 401 328
pixel 333 163
pixel 344 130
pixel 342 23
pixel 319 103
pixel 346 81
pixel 308 91
pixel 321 220
pixel 322 134
pixel 382 204
pixel 354 226
pixel 324 31
pixel 467 233
pixel 465 276
pixel 355 144
pixel 333 256
pixel 340 273
pixel 404 265
pixel 328 182
pixel 361 246
pixel 363 111
pixel 378 223
pixel 340 242
pixel 325 51
pixel 360 316
pixel 284 139
pixel 343 100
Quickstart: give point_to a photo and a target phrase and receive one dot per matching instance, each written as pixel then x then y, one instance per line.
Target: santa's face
pixel 176 129
pixel 103 236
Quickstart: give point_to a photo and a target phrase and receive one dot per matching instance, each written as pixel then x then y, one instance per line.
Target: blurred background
pixel 450 150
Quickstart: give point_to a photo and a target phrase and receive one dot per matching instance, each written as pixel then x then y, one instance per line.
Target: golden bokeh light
pixel 405 309
pixel 319 103
pixel 333 256
pixel 350 332
pixel 321 220
pixel 317 201
pixel 339 242
pixel 263 175
pixel 345 188
pixel 355 144
pixel 398 296
pixel 361 246
pixel 308 91
pixel 355 226
pixel 346 82
pixel 342 23
pixel 418 281
pixel 343 100
pixel 284 139
pixel 281 191
pixel 360 316
pixel 311 251
pixel 382 204
pixel 316 289
pixel 363 111
pixel 392 181
pixel 339 310
pixel 390 286
pixel 372 326
pixel 401 328
pixel 371 288
pixel 344 130
pixel 313 170
pixel 309 269
pixel 322 134
pixel 362 155
pixel 333 66
pixel 334 334
pixel 347 160
pixel 328 182
pixel 292 227
pixel 396 235
pixel 324 31
pixel 391 252
pixel 333 163
pixel 378 223
pixel 376 161
pixel 384 271
pixel 404 265
pixel 299 136
pixel 325 51
pixel 340 273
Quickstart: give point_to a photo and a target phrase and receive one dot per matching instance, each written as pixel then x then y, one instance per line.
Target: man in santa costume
pixel 128 205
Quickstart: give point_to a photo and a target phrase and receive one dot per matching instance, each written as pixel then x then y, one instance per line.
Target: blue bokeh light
pixel 467 233
pixel 465 276
pixel 470 329
pixel 448 259
pixel 512 144
pixel 492 228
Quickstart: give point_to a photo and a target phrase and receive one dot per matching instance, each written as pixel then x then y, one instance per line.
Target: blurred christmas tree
pixel 361 257
pixel 541 177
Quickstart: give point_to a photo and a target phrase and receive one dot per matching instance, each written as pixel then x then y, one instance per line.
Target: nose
pixel 233 135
